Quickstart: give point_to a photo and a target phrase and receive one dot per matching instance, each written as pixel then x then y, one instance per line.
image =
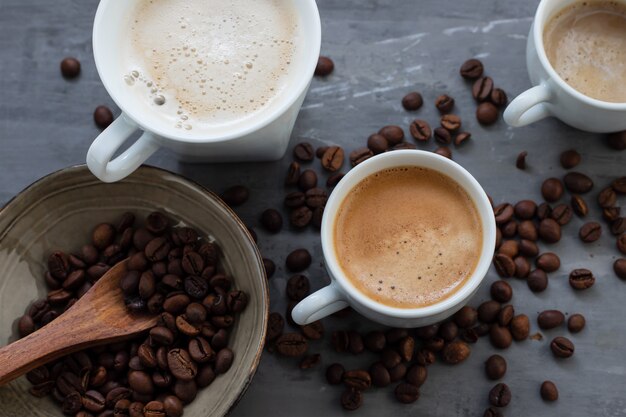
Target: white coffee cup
pixel 261 138
pixel 551 96
pixel 342 293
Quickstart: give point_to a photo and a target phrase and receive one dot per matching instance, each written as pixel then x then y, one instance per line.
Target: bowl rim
pixel 233 216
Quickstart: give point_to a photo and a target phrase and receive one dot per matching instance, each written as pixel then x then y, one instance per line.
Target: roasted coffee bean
pixel 570 158
pixel 443 136
pixel 607 198
pixel 412 101
pixel 548 262
pixel 275 326
pixel 581 279
pixel 461 138
pixel 324 67
pixel 525 209
pixel 520 161
pixel 375 341
pixel 135 409
pixel 509 230
pixel 617 140
pixel 537 280
pixel 334 374
pixel 206 376
pixel 492 412
pixel 394 335
pixel 116 394
pixel 42 389
pixel 316 197
pixel 147 285
pixel 196 287
pixel 271 220
pixel 72 403
pixel 334 179
pixel 481 90
pixel 427 332
pixel 89 254
pixel 292 344
pixel 562 347
pixel 501 291
pixel 357 379
pixel 307 180
pixel 304 151
pixel 543 211
pixel 562 214
pixel 293 174
pixel 351 399
pixel 360 155
pixel 310 361
pixel 162 335
pixel 377 143
pixel 487 114
pixel 503 213
pixel 157 223
pixel 70 67
pixel 528 248
pixel 193 263
pixel 509 248
pixel 577 182
pixel 471 69
pixel 333 157
pixel 154 409
pixel 444 151
pixel 147 356
pixel 58 297
pixel 549 231
pixel 619 266
pixel 393 134
pixel 420 130
pixel 141 238
pixel 619 185
pixel 301 217
pixel 38 375
pixel 94 401
pixel 397 372
pixel 618 226
pixel 157 249
pixel 130 282
pixel 318 217
pixel 444 103
pixel 103 116
pixel 500 337
pixel 590 232
pixel 495 367
pixel 621 243
pixel 172 406
pixel 505 315
pixel 181 365
pixel 390 358
pixel 298 260
pixel 406 393
pixel 579 205
pixel 498 97
pixel 520 327
pixel 58 265
pixel 25 326
pixel 504 265
pixel 416 375
pixel 236 301
pixel 200 350
pixel 466 317
pixel 488 311
pixel 548 391
pixel 315 331
pixel 186 391
pixel 379 375
pixel 220 339
pixel 522 267
pixel 500 395
pixel 298 287
pixel 552 189
pixel 140 382
pixel 549 319
pixel 450 122
pixel 576 323
pixel 403 146
pixel 456 352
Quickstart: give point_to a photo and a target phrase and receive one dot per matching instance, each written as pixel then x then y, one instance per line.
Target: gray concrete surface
pixel 382 49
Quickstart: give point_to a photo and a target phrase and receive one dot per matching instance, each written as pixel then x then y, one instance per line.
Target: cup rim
pixel 542 18
pixel 462 294
pixel 290 95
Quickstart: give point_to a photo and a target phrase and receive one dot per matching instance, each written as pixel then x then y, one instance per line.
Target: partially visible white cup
pixel 551 95
pixel 342 293
pixel 261 138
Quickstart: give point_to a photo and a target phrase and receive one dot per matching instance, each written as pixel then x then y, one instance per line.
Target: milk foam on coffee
pixel 408 237
pixel 206 64
pixel 586 45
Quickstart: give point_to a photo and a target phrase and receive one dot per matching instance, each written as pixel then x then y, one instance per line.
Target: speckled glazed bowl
pixel 60 210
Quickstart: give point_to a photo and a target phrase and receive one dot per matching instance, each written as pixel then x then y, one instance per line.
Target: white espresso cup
pixel 551 95
pixel 342 293
pixel 261 138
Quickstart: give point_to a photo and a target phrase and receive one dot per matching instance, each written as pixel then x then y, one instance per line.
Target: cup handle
pixel 108 142
pixel 529 107
pixel 318 305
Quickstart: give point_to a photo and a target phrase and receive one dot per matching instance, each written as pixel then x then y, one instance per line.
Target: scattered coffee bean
pixel 579 206
pixel 301 217
pixel 412 101
pixel 443 136
pixel 272 220
pixel 619 185
pixel 304 152
pixel 487 113
pixel 495 367
pixel 577 182
pixel 548 262
pixel 481 90
pixel 520 162
pixel 332 160
pixel 621 243
pixel 501 291
pixel 590 232
pixel 607 198
pixel 334 179
pixel 549 319
pixel 103 117
pixel 544 210
pixel 471 69
pixel 617 140
pixel 569 159
pixel 450 122
pixel 548 391
pixel 549 231
pixel 293 174
pixel 562 213
pixel 307 180
pixel 520 327
pixel 360 155
pixel 581 279
pixel 351 399
pixel 500 395
pixel 500 337
pixel 618 226
pixel 406 393
pixel 527 229
pixel 492 412
pixel 562 347
pixel 576 323
pixel 528 248
pixel 324 67
pixel 444 151
pixel 461 138
pixel 456 352
pixel 488 311
pixel 499 97
pixel 503 213
pixel 377 143
pixel 70 67
pixel 292 344
pixel 444 103
pixel 552 189
pixel 504 265
pixel 537 280
pixel 334 374
pixel 298 287
pixel 236 195
pixel 525 209
pixel 619 266
pixel 420 130
pixel 298 260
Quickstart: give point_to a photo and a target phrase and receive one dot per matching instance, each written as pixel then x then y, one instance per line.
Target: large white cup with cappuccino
pixel 212 80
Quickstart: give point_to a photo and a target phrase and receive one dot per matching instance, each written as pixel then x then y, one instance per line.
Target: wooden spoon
pixel 98 318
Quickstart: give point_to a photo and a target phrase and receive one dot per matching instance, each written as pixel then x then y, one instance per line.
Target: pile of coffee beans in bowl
pixel 172 272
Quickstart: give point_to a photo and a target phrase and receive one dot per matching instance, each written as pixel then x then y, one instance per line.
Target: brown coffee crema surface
pixel 586 45
pixel 408 237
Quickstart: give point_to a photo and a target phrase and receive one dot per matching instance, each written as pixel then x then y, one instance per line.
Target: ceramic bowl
pixel 60 210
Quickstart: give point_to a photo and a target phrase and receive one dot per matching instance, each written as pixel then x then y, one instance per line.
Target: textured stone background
pixel 382 49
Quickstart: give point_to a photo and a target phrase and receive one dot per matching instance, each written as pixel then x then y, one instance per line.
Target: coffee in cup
pixel 207 64
pixel 408 237
pixel 585 43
